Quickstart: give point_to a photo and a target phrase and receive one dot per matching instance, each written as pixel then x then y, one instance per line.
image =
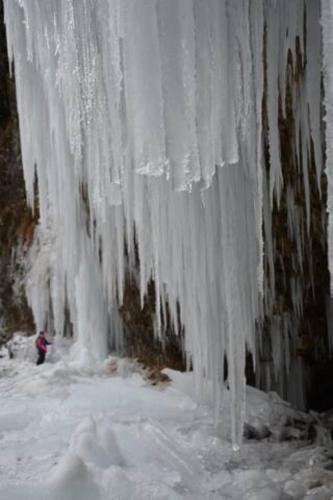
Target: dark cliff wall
pixel 16 222
pixel 140 341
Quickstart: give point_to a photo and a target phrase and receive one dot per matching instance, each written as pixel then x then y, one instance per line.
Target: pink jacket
pixel 41 343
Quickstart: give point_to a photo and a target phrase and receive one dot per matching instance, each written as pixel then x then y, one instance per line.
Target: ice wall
pixel 143 123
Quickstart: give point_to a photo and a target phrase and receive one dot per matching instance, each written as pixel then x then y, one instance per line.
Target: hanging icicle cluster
pixel 294 234
pixel 143 121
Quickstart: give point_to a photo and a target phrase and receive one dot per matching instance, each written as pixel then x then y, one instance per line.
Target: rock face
pixel 139 331
pixel 16 221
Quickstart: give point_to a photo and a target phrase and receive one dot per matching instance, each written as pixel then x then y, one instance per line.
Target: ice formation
pixel 143 123
pixel 327 22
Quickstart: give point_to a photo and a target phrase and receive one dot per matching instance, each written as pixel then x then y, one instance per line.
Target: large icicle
pixel 327 23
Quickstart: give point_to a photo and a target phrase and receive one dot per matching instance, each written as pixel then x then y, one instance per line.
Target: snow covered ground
pixel 105 432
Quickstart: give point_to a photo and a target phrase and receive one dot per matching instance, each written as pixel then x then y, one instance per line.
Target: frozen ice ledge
pixel 143 122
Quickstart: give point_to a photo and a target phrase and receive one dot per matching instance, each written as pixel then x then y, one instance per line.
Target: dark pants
pixel 41 357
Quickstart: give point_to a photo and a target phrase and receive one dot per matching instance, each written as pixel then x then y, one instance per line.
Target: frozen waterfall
pixel 143 123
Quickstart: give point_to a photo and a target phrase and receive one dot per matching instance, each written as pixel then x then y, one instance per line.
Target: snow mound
pixel 96 435
pixel 72 480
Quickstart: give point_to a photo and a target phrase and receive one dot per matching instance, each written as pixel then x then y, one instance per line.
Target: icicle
pixel 327 23
pixel 313 81
pixel 329 315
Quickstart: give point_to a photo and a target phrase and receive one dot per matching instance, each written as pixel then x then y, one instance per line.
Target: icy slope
pixel 69 434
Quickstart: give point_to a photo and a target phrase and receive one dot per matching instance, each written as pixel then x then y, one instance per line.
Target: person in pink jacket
pixel 41 344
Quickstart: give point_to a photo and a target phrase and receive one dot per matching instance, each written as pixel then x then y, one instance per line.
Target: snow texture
pixel 107 434
pixel 143 124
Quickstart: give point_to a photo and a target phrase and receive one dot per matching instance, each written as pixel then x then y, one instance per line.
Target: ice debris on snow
pixel 108 437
